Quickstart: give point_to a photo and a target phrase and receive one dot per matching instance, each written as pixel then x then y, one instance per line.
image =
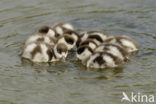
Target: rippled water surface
pixel 23 82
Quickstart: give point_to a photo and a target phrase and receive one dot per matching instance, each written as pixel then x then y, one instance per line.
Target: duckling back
pixel 38 52
pixel 123 41
pixel 103 60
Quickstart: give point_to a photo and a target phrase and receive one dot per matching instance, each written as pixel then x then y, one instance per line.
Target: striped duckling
pixel 113 49
pixel 103 60
pixel 89 42
pixel 123 41
pixel 61 28
pixel 104 56
pixel 68 40
pixel 43 52
pixel 65 28
pixel 84 52
pixel 97 36
pixel 45 34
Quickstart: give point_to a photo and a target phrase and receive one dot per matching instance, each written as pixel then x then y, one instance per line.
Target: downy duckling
pixel 103 60
pixel 65 28
pixel 89 42
pixel 45 34
pixel 43 52
pixel 68 40
pixel 113 49
pixel 83 52
pixel 74 34
pixel 123 41
pixel 61 28
pixel 97 35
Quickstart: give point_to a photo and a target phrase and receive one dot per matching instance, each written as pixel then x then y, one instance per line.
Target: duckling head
pixel 73 33
pixel 47 30
pixel 84 52
pixel 68 40
pixel 61 28
pixel 61 50
pixel 90 43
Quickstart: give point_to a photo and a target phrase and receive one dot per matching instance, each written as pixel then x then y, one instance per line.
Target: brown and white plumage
pixel 65 28
pixel 68 40
pixel 89 42
pixel 113 49
pixel 61 28
pixel 103 60
pixel 43 52
pixel 84 52
pixel 45 34
pixel 96 35
pixel 124 41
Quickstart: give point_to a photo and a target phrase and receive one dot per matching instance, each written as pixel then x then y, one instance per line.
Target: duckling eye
pixel 80 50
pixel 57 35
pixel 68 40
pixel 99 60
pixel 59 51
pixel 69 32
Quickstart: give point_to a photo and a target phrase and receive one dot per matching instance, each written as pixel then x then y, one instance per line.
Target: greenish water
pixel 22 82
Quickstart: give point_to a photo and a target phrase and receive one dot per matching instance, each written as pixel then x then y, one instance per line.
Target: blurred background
pixel 23 82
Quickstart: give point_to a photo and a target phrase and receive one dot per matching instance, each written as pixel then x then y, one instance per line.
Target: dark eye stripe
pixel 99 60
pixel 59 51
pixel 57 35
pixel 95 37
pixel 69 32
pixel 68 40
pixel 86 42
pixel 82 48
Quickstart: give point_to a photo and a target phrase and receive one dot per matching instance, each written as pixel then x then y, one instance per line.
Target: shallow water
pixel 23 82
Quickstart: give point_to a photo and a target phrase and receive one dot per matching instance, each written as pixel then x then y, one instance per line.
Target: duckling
pixel 61 28
pixel 45 34
pixel 97 35
pixel 89 42
pixel 113 49
pixel 83 52
pixel 47 30
pixel 43 52
pixel 123 41
pixel 60 50
pixel 103 60
pixel 68 40
pixel 74 34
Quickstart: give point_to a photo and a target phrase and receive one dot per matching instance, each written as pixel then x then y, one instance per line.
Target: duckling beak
pixel 63 57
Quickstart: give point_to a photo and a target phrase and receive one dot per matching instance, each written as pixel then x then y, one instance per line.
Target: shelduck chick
pixel 89 42
pixel 45 34
pixel 42 52
pixel 124 41
pixel 68 40
pixel 113 49
pixel 61 28
pixel 74 34
pixel 96 35
pixel 84 52
pixel 103 60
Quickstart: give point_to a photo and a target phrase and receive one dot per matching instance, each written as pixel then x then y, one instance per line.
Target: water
pixel 23 82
